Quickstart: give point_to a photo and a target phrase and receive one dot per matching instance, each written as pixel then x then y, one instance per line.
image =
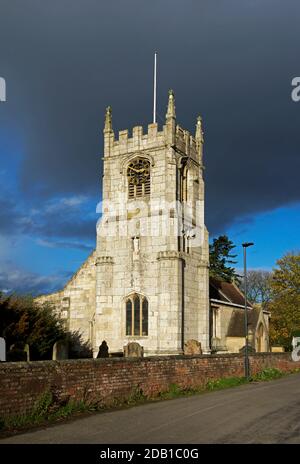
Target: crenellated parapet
pixel 186 143
pixel 125 142
pixel 171 135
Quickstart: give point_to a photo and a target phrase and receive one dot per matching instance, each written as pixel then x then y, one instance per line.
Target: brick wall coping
pixel 147 359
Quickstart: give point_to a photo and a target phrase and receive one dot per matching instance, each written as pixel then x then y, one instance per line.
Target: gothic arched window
pixel 138 173
pixel 184 183
pixel 137 315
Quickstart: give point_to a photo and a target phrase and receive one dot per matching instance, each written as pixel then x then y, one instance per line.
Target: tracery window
pixel 136 315
pixel 138 174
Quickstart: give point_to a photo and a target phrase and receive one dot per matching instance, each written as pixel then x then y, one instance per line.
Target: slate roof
pixel 229 293
pixel 225 291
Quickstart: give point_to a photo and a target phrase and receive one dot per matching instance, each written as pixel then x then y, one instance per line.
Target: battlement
pixel 153 138
pixel 124 143
pixel 184 141
pixel 170 135
pixel 138 135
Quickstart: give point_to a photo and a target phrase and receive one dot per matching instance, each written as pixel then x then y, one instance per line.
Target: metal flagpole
pixel 246 318
pixel 154 89
pixel 247 365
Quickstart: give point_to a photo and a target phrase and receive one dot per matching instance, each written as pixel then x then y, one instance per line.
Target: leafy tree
pixel 77 347
pixel 285 304
pixel 258 286
pixel 23 321
pixel 220 258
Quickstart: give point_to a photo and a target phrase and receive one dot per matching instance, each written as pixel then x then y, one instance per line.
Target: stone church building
pixel 148 278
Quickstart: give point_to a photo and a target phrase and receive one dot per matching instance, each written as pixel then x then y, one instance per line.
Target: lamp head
pixel 247 244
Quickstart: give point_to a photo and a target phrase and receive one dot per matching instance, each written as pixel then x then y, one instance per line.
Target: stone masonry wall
pixel 76 302
pixel 104 380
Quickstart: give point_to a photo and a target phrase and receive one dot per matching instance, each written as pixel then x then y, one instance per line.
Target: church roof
pixel 225 291
pixel 229 294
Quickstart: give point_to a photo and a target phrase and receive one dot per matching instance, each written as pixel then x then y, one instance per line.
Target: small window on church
pixel 137 316
pixel 184 183
pixel 128 317
pixel 138 173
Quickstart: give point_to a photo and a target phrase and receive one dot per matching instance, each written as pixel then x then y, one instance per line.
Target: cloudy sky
pixel 64 61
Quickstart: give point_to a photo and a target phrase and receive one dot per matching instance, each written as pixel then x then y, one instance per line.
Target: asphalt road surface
pixel 265 412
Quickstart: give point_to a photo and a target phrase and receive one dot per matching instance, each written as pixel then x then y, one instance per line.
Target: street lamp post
pixel 247 366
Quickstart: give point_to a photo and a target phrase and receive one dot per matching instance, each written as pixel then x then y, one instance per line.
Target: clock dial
pixel 138 174
pixel 138 171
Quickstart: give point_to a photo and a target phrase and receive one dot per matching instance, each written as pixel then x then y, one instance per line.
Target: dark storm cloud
pixel 232 61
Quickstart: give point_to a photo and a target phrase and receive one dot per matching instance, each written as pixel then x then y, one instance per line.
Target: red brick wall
pixel 104 380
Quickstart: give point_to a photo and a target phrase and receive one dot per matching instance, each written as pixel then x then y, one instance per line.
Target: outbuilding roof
pixel 225 291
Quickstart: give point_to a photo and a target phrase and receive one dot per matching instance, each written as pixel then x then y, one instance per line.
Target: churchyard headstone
pixel 192 347
pixel 2 349
pixel 133 350
pixel 60 351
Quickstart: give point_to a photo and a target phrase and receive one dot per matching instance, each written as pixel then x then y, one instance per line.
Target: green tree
pixel 285 303
pixel 23 321
pixel 220 258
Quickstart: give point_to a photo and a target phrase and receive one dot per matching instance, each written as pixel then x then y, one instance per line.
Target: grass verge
pixel 48 410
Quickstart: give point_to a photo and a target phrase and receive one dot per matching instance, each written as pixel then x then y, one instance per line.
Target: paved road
pixel 267 412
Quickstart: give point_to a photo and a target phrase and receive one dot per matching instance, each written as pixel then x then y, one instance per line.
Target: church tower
pixel 152 244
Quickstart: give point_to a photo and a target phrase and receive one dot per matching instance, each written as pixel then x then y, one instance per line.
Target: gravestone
pixel 277 349
pixel 251 349
pixel 60 351
pixel 2 349
pixel 192 347
pixel 103 350
pixel 16 352
pixel 27 351
pixel 133 350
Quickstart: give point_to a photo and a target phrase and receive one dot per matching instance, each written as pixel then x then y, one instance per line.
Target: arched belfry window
pixel 183 195
pixel 138 174
pixel 136 315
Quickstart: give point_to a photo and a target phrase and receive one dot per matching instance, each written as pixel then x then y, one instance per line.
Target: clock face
pixel 138 171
